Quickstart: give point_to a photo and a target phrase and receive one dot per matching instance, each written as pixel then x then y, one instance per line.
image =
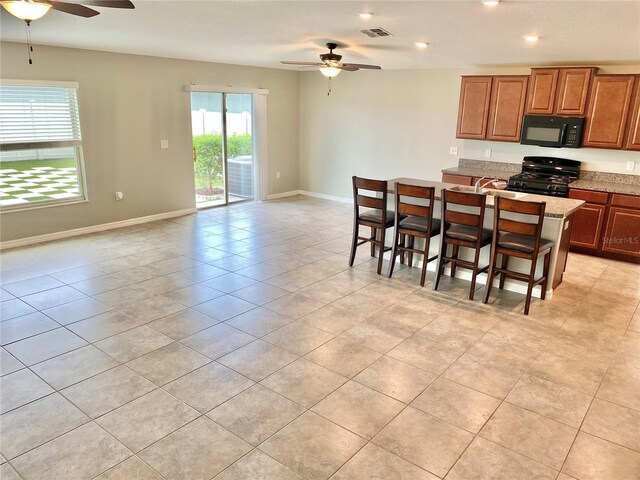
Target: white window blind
pixel 38 117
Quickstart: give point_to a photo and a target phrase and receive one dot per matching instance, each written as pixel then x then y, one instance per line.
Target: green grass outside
pixel 29 164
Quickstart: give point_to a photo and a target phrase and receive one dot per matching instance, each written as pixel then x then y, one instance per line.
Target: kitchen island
pixel 558 221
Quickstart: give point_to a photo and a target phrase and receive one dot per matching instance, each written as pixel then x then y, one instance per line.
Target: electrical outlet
pixel 119 195
pixel 164 143
pixel 487 153
pixel 453 150
pixel 278 175
pixel 631 165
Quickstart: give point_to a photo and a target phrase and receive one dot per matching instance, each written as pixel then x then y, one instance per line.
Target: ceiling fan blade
pixel 315 64
pixel 348 67
pixel 108 3
pixel 73 9
pixel 359 66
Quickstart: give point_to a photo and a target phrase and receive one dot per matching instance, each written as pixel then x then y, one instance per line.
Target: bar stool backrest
pixel 451 199
pixel 502 222
pixel 404 193
pixel 365 194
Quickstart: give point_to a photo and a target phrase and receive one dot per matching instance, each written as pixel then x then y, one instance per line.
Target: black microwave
pixel 550 131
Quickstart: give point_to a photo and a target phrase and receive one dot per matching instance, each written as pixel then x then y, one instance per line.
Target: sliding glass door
pixel 223 157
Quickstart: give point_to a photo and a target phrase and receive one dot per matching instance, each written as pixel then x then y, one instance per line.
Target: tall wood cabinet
pixel 559 91
pixel 608 111
pixel 508 97
pixel 473 111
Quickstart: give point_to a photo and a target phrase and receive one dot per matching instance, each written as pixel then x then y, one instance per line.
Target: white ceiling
pixel 461 33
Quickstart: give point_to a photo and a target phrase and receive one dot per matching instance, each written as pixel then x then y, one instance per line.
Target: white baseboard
pixel 275 196
pixel 47 237
pixel 324 196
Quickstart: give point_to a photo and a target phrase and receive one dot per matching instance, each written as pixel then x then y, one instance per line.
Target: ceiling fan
pixel 331 65
pixel 29 10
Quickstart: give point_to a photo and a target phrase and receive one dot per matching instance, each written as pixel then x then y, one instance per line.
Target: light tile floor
pixel 237 344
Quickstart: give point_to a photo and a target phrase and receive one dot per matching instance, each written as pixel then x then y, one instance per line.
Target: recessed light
pixel 422 44
pixel 533 37
pixel 366 15
pixel 491 3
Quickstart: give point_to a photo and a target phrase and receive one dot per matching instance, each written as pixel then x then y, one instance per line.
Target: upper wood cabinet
pixel 508 97
pixel 573 90
pixel 559 91
pixel 473 110
pixel 541 99
pixel 633 138
pixel 608 111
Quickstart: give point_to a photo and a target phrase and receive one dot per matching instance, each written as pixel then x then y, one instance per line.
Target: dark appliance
pixel 550 131
pixel 545 176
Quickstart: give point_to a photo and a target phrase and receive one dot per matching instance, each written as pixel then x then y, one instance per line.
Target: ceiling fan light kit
pixel 25 9
pixel 29 10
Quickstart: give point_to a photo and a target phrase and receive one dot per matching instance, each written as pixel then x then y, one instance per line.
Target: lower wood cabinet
pixel 457 179
pixel 588 223
pixel 608 225
pixel 623 231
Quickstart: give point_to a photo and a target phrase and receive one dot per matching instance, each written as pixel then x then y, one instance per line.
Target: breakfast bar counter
pixel 556 227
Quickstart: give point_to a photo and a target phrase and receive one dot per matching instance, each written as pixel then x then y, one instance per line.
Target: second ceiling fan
pixel 331 64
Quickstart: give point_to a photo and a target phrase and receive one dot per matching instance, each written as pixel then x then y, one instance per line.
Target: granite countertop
pixel 557 207
pixel 480 172
pixel 611 187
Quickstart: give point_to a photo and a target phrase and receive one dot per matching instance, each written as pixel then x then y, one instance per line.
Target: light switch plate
pixel 487 153
pixel 631 165
pixel 453 150
pixel 164 143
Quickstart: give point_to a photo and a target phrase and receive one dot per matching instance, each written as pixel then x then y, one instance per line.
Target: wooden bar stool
pixel 378 218
pixel 418 222
pixel 462 229
pixel 518 238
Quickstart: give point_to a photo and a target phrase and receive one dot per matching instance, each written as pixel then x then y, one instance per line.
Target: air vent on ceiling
pixel 376 32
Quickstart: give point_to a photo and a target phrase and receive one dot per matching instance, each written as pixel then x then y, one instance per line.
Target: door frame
pixel 258 127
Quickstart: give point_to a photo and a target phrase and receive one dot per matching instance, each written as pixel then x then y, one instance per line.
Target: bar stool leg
pixel 425 260
pixel 374 234
pixel 394 252
pixel 491 274
pixel 381 250
pixel 411 244
pixel 504 265
pixel 402 240
pixel 439 265
pixel 532 274
pixel 474 273
pixel 354 243
pixel 545 272
pixel 454 255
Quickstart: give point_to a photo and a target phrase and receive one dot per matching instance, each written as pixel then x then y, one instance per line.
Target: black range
pixel 545 176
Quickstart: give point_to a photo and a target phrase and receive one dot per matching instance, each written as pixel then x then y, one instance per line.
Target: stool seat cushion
pixel 467 233
pixel 522 243
pixel 375 216
pixel 419 224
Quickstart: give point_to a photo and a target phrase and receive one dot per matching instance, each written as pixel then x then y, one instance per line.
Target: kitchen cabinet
pixel 508 97
pixel 608 111
pixel 607 225
pixel 473 110
pixel 573 90
pixel 457 179
pixel 559 91
pixel 633 137
pixel 588 222
pixel 623 231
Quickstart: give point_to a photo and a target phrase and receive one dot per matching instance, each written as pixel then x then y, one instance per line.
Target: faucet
pixel 477 188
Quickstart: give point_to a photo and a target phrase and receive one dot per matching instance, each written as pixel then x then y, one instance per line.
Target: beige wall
pixel 401 123
pixel 128 103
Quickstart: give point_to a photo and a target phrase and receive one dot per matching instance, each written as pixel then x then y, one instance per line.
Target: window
pixel 40 145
